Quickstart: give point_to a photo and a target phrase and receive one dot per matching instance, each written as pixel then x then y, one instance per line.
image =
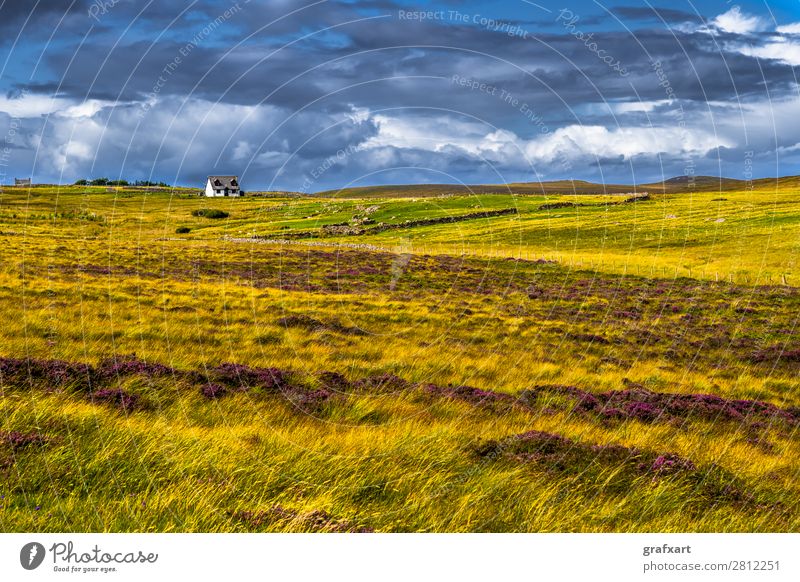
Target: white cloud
pixel 793 28
pixel 86 109
pixel 29 105
pixel 34 105
pixel 782 50
pixel 781 45
pixel 577 141
pixel 574 142
pixel 737 22
pixel 432 134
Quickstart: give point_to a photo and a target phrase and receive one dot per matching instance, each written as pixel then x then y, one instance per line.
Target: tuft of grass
pixel 210 213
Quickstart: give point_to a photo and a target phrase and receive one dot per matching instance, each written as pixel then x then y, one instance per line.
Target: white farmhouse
pixel 222 186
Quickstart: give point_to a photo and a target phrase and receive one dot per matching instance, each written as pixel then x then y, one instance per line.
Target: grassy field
pixel 487 362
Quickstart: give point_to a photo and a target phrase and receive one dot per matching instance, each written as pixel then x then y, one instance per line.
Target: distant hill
pixel 431 190
pixel 674 185
pixel 714 183
pixel 698 183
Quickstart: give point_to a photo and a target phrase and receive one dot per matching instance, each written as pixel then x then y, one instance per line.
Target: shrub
pixel 210 213
pixel 149 183
pixel 182 230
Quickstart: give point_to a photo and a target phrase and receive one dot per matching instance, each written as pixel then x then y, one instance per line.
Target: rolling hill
pixel 678 184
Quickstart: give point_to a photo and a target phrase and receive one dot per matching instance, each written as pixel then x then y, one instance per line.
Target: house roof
pixel 225 181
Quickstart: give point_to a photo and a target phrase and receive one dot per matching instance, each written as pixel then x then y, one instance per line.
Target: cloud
pixel 41 15
pixel 181 141
pixel 30 105
pixel 583 144
pixel 275 106
pixel 780 49
pixel 651 13
pixel 735 21
pixel 793 28
pixel 577 143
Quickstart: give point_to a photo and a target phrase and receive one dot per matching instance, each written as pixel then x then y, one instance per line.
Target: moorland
pixel 401 359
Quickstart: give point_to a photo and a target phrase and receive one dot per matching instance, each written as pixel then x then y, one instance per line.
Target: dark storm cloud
pixel 15 12
pixel 650 13
pixel 333 68
pixel 554 70
pixel 45 24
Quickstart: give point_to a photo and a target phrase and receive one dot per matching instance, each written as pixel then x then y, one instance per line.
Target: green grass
pixel 88 273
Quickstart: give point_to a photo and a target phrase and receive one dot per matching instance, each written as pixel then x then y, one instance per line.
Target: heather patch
pixel 474 396
pixel 310 401
pixel 554 453
pixel 669 463
pixel 633 403
pixel 213 391
pixel 644 405
pixel 117 398
pixel 334 381
pixel 715 485
pixel 76 375
pixel 17 441
pixel 615 468
pixel 776 355
pixel 129 365
pixel 241 377
pixel 49 373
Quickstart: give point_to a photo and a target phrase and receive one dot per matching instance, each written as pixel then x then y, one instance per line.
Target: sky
pixel 313 95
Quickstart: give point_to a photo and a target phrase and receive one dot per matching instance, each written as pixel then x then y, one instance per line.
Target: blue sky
pixel 310 95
